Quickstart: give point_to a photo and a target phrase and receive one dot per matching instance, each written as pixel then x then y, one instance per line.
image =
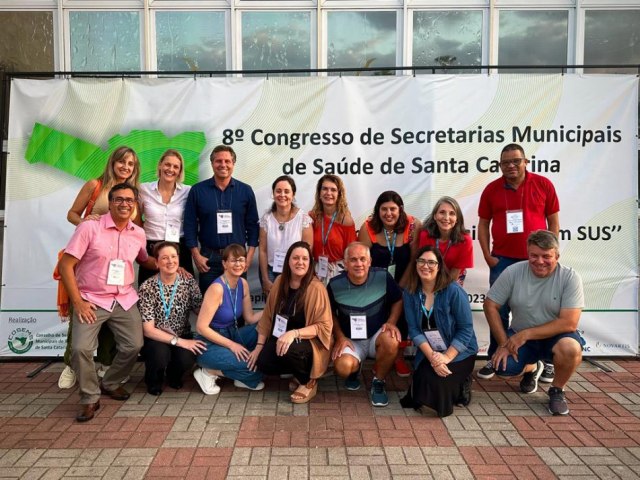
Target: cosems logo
pixel 20 340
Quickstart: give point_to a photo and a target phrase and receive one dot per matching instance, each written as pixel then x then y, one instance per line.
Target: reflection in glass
pixel 361 39
pixel 533 38
pixel 276 40
pixel 447 38
pixel 105 41
pixel 192 41
pixel 612 37
pixel 26 42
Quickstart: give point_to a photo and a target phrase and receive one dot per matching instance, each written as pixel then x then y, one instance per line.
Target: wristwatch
pixel 174 340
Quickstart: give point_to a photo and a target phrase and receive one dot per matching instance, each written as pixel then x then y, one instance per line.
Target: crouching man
pixel 546 301
pixel 97 271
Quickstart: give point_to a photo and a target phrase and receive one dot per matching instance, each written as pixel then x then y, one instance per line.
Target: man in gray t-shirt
pixel 546 301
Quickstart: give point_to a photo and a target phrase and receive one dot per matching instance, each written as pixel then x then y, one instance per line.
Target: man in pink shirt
pixel 97 271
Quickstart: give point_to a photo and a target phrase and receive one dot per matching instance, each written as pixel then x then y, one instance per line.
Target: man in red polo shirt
pixel 97 271
pixel 514 205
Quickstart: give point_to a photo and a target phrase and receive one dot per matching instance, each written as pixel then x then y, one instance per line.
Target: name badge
pixel 225 224
pixel 115 275
pixel 515 221
pixel 280 326
pixel 358 327
pixel 435 340
pixel 392 270
pixel 323 267
pixel 278 261
pixel 172 232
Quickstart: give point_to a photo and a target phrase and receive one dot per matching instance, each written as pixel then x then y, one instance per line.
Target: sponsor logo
pixel 20 340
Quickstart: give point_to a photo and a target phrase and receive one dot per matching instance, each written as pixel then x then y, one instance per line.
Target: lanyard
pixel 234 301
pixel 446 250
pixel 391 247
pixel 429 312
pixel 167 308
pixel 323 237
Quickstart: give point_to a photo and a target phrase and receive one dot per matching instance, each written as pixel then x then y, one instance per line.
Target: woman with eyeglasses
pixel 228 347
pixel 283 224
pixel 441 327
pixel 333 227
pixel 91 202
pixel 165 302
pixel 444 228
pixel 294 333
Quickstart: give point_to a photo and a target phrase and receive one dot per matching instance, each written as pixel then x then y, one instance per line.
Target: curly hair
pixel 342 208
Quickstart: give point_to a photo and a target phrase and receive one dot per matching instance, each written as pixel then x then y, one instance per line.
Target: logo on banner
pixel 20 341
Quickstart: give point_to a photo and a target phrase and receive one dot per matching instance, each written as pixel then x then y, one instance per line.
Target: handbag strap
pixel 92 200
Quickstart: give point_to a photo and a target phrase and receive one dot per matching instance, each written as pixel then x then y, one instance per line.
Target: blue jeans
pixel 494 273
pixel 534 350
pixel 215 269
pixel 221 358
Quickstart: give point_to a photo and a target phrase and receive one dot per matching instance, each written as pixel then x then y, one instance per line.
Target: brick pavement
pixel 239 434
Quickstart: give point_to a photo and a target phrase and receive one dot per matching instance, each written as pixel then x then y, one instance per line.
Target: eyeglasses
pixel 515 161
pixel 121 200
pixel 237 261
pixel 429 263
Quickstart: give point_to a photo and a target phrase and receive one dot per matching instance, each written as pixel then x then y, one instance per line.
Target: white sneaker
pixel 239 384
pixel 67 378
pixel 101 370
pixel 206 381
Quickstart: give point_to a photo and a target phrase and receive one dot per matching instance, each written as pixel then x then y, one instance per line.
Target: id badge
pixel 435 340
pixel 115 275
pixel 225 224
pixel 515 221
pixel 278 261
pixel 392 270
pixel 172 233
pixel 358 326
pixel 280 326
pixel 323 267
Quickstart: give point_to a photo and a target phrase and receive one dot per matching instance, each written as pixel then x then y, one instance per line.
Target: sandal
pixel 304 393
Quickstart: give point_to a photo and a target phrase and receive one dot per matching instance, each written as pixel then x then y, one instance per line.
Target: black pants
pixel 297 361
pixel 161 357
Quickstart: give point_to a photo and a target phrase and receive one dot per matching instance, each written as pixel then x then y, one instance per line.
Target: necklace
pixel 282 224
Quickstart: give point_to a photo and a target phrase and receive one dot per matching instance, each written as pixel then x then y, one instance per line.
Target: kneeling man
pixel 366 304
pixel 546 301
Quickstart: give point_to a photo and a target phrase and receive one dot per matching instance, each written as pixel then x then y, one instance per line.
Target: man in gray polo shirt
pixel 546 301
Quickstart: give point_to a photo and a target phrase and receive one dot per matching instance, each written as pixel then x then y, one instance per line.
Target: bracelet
pixel 262 344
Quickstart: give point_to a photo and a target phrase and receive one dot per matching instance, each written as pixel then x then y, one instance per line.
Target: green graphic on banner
pixel 86 161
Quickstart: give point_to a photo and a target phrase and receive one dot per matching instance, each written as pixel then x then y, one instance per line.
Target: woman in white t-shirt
pixel 281 226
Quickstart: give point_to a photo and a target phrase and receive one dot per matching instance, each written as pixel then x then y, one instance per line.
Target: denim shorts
pixel 534 350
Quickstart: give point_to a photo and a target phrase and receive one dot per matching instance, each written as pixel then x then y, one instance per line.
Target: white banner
pixel 423 136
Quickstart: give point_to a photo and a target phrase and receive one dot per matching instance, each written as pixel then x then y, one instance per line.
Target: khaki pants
pixel 127 330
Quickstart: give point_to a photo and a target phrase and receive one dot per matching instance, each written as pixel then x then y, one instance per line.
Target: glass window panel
pixel 26 41
pixel 530 37
pixel 105 41
pixel 192 41
pixel 612 37
pixel 276 40
pixel 361 39
pixel 447 38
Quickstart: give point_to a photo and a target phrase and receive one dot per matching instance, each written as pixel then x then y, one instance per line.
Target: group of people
pixel 333 295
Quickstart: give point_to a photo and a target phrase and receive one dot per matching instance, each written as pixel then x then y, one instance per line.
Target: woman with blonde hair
pixel 91 202
pixel 162 203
